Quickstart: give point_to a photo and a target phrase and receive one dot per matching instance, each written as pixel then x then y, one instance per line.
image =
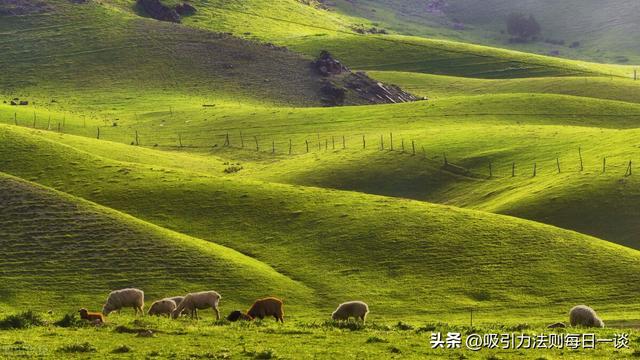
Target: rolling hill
pixel 72 252
pixel 601 31
pixel 336 243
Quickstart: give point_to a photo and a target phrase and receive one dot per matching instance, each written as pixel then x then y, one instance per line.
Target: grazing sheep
pixel 162 307
pixel 202 300
pixel 583 315
pixel 92 317
pixel 119 299
pixel 267 307
pixel 238 315
pixel 355 309
pixel 177 300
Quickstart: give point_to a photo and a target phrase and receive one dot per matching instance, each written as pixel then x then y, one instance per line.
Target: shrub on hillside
pixel 70 321
pixel 523 28
pixel 23 320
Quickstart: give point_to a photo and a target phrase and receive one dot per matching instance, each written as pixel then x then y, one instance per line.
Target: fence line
pixel 180 142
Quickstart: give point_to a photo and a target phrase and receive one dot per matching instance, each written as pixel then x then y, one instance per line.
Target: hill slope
pixel 339 243
pixel 602 31
pixel 309 30
pixel 88 55
pixel 73 251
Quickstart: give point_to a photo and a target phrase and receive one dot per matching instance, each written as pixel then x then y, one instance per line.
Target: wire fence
pixel 275 143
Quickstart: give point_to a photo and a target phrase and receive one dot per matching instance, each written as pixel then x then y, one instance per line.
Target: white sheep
pixel 355 309
pixel 162 307
pixel 201 300
pixel 178 300
pixel 583 315
pixel 119 299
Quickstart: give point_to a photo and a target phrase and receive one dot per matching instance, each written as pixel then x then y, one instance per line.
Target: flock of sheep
pixel 580 315
pixel 191 303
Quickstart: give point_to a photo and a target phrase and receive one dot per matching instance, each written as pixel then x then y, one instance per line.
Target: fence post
pixel 513 169
pixel 241 140
pixel 15 118
pixel 49 123
pixel 381 142
pixel 490 170
pixel 413 147
pixel 391 143
pixel 226 140
pixel 444 155
pixel 604 164
pixel 581 163
pixel 326 144
pixel 290 146
pixel 402 146
pixel 98 137
pixel 318 141
pixel 628 173
pixel 137 142
pixel 535 169
pixel 364 142
pixel 558 164
pixel 180 139
pixel 344 142
pixel 34 119
pixel 273 146
pixel 333 142
pixel 307 142
pixel 257 144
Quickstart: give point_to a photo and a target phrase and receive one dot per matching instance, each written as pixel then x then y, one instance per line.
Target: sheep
pixel 270 306
pixel 202 300
pixel 355 309
pixel 124 298
pixel 583 315
pixel 92 317
pixel 162 307
pixel 238 315
pixel 177 300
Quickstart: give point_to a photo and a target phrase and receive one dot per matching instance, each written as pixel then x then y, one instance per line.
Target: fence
pixel 267 144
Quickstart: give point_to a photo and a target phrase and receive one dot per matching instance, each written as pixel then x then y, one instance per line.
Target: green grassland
pixel 603 32
pixel 116 175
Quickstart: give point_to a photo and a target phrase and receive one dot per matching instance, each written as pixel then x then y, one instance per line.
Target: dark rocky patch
pixel 326 65
pixel 340 84
pixel 185 9
pixel 23 7
pixel 159 11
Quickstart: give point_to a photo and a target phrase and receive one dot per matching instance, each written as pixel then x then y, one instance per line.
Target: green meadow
pixel 198 156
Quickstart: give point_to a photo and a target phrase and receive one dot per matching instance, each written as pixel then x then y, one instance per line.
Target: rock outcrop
pixel 340 84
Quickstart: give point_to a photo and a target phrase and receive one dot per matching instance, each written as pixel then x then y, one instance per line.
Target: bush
pixel 78 348
pixel 23 320
pixel 69 321
pixel 522 27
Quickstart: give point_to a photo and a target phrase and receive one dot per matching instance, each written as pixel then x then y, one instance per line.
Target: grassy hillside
pixel 602 31
pixel 73 252
pixel 474 132
pixel 436 86
pixel 88 55
pixel 339 243
pixel 309 30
